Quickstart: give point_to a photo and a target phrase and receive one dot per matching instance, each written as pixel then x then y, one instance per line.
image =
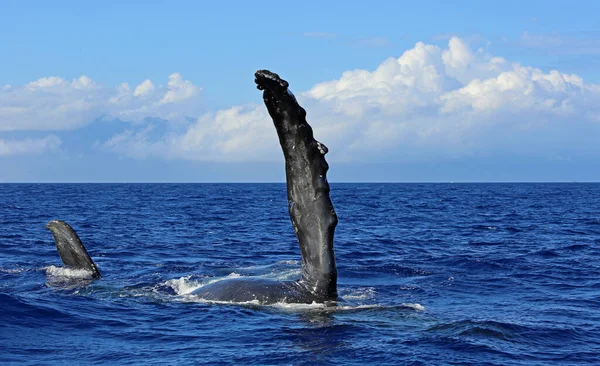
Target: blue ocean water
pixel 432 274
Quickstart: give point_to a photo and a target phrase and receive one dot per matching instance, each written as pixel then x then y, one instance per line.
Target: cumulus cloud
pixel 29 146
pixel 236 134
pixel 54 103
pixel 179 89
pixel 428 103
pixel 145 88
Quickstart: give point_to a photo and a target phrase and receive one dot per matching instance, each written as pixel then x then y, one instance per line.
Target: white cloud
pixel 122 96
pixel 179 89
pixel 54 103
pixel 428 103
pixel 83 82
pixel 29 146
pixel 46 82
pixel 222 136
pixel 145 88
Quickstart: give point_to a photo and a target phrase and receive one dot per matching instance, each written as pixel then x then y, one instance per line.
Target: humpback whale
pixel 70 248
pixel 310 208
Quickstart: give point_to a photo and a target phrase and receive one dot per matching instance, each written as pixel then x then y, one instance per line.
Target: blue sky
pixel 398 91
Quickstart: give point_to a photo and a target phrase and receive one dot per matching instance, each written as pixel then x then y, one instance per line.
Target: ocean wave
pixel 308 307
pixel 12 270
pixel 362 293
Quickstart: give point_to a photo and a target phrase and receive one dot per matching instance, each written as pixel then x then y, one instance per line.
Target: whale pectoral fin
pixel 311 211
pixel 70 248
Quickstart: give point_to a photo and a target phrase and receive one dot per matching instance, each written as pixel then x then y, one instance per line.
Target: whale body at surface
pixel 310 208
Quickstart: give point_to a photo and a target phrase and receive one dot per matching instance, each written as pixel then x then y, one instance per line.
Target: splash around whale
pixel 310 208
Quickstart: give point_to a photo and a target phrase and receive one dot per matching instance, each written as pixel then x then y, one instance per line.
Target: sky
pixel 427 91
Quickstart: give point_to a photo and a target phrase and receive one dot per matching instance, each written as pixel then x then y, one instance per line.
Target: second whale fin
pixel 71 250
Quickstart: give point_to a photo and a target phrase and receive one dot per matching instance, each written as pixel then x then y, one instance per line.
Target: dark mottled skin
pixel 71 250
pixel 310 207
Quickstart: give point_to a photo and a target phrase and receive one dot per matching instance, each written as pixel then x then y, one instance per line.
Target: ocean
pixel 430 274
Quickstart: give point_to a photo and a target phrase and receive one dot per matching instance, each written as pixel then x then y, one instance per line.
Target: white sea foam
pixel 302 307
pixel 362 293
pixel 70 273
pixel 12 270
pixel 339 307
pixel 298 306
pixel 294 307
pixel 359 307
pixel 417 307
pixel 290 262
pixel 183 285
pixel 191 298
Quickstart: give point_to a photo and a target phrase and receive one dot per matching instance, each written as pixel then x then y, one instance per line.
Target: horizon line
pixel 283 182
